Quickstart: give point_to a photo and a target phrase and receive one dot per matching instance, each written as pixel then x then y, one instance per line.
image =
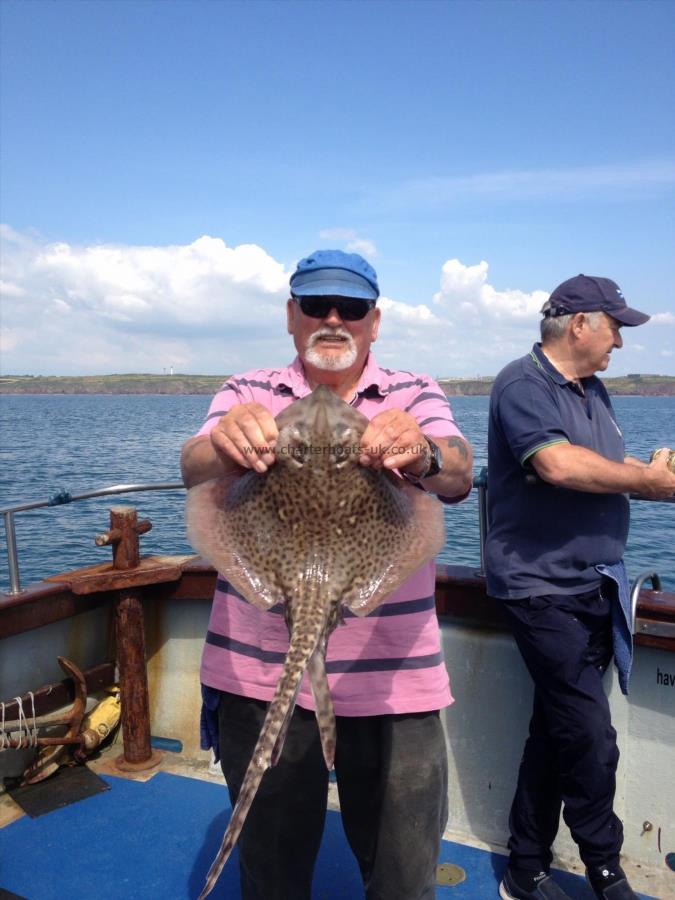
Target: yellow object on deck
pixel 101 721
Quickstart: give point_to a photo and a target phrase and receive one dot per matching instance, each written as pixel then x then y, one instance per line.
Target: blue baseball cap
pixel 588 293
pixel 333 273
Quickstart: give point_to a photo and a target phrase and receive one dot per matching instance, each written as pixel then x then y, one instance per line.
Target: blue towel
pixel 622 633
pixel 208 720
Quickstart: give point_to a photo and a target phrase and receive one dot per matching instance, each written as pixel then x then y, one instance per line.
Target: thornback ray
pixel 315 532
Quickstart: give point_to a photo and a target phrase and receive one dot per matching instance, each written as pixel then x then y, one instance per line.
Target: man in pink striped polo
pixel 386 671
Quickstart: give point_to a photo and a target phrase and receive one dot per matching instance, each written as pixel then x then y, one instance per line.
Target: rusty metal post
pixel 123 535
pixel 130 637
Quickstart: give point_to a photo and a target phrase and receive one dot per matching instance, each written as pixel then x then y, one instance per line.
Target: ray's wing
pixel 405 543
pixel 228 523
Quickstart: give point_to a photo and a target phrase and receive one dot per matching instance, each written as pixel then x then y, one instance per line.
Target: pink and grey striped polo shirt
pixel 387 662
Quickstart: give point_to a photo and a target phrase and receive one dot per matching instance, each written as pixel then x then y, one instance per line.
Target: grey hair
pixel 554 327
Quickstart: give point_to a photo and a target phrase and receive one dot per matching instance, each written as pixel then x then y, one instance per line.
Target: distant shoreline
pixel 635 385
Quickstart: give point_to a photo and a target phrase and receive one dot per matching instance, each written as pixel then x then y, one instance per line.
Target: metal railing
pixel 60 499
pixel 635 593
pixel 480 483
pixel 63 497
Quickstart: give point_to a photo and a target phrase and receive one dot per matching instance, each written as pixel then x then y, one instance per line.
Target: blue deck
pixel 158 839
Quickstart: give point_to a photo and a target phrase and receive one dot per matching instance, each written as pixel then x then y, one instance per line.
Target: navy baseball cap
pixel 588 293
pixel 333 273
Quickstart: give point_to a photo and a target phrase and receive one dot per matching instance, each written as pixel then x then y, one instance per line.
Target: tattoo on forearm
pixel 458 443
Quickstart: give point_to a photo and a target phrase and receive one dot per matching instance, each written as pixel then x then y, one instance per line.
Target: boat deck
pixel 156 836
pixel 142 839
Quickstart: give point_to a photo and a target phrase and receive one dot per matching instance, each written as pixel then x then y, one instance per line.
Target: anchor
pixel 84 734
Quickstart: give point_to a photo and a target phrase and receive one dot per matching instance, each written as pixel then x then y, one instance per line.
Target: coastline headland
pixel 638 385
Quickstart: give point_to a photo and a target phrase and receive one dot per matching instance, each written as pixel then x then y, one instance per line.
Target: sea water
pixel 79 443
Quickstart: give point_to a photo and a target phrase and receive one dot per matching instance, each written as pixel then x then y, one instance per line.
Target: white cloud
pixel 350 240
pixel 206 307
pixel 405 314
pixel 10 339
pixel 469 328
pixel 466 296
pixel 664 318
pixel 363 246
pixel 522 184
pixel 202 282
pixel 102 308
pixel 8 289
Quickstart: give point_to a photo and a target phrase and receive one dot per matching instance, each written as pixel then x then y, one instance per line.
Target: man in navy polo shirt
pixel 557 526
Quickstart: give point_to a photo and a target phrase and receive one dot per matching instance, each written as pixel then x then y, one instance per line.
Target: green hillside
pixel 640 385
pixel 110 384
pixel 645 385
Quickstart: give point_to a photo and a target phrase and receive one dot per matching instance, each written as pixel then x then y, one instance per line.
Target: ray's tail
pixel 268 748
pixel 323 703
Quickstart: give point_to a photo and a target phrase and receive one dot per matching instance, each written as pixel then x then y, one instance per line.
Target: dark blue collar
pixel 542 361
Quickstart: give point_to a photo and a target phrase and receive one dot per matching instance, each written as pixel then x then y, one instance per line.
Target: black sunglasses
pixel 349 310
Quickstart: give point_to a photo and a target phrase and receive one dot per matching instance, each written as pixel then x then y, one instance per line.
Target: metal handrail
pixel 63 497
pixel 480 483
pixel 60 499
pixel 635 593
pixel 66 497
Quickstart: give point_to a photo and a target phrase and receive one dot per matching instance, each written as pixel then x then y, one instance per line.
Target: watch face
pixel 436 459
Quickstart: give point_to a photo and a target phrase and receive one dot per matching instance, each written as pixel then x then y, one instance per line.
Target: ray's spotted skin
pixel 316 531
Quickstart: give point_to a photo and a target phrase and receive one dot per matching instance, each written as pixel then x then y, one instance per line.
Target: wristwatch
pixel 435 464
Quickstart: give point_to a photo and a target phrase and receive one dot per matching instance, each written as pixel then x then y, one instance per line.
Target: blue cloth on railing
pixel 208 721
pixel 622 626
pixel 60 498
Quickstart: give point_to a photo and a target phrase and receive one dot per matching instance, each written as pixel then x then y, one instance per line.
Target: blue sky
pixel 165 164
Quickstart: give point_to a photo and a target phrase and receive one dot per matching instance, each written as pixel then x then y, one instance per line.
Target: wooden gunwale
pixel 460 597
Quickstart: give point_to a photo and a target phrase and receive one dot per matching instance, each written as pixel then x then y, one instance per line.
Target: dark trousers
pixel 570 756
pixel 392 781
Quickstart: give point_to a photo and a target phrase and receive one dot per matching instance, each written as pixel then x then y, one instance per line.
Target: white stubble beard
pixel 329 361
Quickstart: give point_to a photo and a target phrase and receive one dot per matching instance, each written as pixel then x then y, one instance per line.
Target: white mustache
pixel 329 332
